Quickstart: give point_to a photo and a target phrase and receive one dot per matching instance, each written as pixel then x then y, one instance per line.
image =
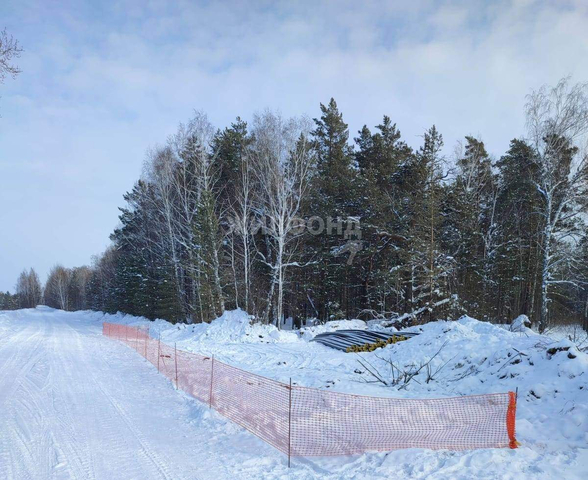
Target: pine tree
pixel 332 198
pixel 502 239
pixel 386 167
pixel 101 285
pixel 516 262
pixel 8 301
pixel 430 268
pixel 470 230
pixel 78 288
pixel 229 147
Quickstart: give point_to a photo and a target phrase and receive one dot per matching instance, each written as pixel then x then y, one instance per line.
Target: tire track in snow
pixel 74 404
pixel 72 441
pixel 18 443
pixel 103 425
pixel 146 449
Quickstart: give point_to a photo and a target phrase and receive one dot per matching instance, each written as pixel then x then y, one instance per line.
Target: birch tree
pixel 208 243
pixel 28 289
pixel 194 173
pixel 281 163
pixel 56 292
pixel 557 120
pixel 242 212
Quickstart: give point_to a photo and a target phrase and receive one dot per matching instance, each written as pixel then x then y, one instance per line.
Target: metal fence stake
pixel 211 380
pixel 158 350
pixel 290 423
pixel 176 360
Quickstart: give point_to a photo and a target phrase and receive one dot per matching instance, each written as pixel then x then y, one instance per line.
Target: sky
pixel 104 81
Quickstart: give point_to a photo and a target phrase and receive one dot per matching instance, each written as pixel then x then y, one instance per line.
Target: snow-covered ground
pixel 74 404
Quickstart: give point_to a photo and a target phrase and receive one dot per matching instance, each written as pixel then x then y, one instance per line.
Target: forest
pixel 298 218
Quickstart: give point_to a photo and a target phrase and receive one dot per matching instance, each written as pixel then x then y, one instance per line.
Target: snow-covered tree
pixel 430 267
pixel 29 289
pixel 282 165
pixel 470 231
pixel 78 288
pixel 493 240
pixel 57 287
pixel 557 119
pixel 207 242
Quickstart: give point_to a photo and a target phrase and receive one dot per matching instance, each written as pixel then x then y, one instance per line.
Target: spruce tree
pixel 136 275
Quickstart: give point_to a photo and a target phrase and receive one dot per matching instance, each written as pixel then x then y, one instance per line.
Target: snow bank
pixel 234 326
pixel 466 357
pixel 477 357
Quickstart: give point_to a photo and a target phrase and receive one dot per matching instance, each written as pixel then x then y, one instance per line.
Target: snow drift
pixel 470 357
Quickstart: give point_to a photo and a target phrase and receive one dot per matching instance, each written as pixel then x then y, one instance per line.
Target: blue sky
pixel 104 81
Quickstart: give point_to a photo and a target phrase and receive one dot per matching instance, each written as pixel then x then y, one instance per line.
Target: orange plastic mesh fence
pixel 301 421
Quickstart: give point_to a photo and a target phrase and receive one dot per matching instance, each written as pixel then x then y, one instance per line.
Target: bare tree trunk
pixel 234 270
pixel 545 276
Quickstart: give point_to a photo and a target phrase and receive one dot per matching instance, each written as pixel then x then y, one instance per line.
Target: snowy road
pixel 74 404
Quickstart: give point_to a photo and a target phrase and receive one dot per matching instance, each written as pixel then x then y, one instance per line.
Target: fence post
pixel 158 350
pixel 176 359
pixel 137 341
pixel 146 339
pixel 211 380
pixel 290 422
pixel 511 419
